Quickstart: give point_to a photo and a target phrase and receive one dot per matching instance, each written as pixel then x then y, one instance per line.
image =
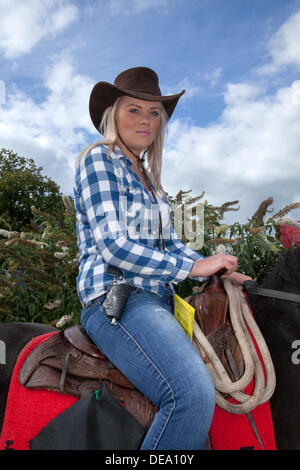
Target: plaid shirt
pixel 117 224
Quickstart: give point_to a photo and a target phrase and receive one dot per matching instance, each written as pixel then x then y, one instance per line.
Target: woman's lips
pixel 143 132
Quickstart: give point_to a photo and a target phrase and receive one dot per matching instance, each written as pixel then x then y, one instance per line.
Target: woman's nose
pixel 144 117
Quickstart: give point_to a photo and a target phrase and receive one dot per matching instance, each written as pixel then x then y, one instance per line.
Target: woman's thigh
pixel 149 346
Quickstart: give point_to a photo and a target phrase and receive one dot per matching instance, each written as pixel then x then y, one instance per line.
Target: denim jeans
pixel 152 350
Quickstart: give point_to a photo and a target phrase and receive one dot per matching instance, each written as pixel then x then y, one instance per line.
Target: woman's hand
pixel 238 279
pixel 212 264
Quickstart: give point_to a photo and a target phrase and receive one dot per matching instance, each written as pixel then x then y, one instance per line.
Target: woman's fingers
pixel 231 264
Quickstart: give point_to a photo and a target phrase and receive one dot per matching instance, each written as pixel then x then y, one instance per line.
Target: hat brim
pixel 105 94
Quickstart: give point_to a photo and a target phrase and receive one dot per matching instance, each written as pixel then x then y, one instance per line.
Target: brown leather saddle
pixel 213 316
pixel 69 361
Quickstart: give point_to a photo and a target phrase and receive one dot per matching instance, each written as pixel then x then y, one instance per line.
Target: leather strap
pixel 252 288
pixel 64 374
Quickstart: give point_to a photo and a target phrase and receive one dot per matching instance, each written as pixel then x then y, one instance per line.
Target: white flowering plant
pixel 38 270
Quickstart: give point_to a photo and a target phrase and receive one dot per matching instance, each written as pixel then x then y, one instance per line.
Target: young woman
pixel 123 220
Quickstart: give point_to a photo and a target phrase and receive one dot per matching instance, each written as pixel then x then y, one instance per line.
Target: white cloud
pixel 252 151
pixel 185 84
pixel 24 24
pixel 195 86
pixel 214 76
pixel 284 46
pixel 50 131
pixel 67 102
pixel 254 146
pixel 241 93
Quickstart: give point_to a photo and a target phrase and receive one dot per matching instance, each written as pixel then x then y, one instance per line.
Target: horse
pixel 15 336
pixel 279 323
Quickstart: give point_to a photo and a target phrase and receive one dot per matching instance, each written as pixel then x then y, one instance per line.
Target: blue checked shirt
pixel 117 222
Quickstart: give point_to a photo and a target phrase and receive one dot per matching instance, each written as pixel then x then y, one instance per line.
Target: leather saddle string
pixel 149 183
pixel 64 374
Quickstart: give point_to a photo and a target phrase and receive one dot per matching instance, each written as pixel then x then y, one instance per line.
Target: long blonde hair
pixel 108 129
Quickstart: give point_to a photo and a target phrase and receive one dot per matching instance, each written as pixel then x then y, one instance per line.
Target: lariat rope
pixel 241 319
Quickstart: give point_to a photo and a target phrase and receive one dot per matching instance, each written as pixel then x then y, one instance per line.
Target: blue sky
pixel 235 133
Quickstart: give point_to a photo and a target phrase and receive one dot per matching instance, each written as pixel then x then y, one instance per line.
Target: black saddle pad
pixel 97 421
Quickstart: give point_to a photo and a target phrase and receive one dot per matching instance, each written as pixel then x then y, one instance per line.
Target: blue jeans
pixel 152 350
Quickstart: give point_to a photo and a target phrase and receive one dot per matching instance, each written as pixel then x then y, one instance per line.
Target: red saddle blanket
pixel 29 411
pixel 234 432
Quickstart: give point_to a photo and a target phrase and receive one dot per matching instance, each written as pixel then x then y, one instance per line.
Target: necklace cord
pixel 149 183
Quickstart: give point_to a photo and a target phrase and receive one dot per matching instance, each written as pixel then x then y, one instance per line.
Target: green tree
pixel 23 185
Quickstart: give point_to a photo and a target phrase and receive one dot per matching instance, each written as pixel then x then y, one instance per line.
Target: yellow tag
pixel 184 314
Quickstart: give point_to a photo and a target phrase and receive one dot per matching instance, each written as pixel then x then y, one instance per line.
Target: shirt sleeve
pixel 176 246
pixel 97 186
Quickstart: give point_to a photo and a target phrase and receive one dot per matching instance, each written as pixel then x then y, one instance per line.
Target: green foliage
pixel 255 243
pixel 257 251
pixel 38 267
pixel 21 186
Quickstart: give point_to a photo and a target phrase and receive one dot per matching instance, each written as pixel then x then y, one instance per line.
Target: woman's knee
pixel 197 391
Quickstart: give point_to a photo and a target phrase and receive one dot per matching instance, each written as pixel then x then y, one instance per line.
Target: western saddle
pixel 69 361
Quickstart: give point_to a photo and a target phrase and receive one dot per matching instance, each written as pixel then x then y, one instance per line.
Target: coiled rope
pixel 241 319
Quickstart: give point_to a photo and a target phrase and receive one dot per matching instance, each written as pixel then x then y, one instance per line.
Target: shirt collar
pixel 117 153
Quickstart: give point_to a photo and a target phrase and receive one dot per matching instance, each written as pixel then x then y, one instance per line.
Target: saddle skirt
pixel 70 362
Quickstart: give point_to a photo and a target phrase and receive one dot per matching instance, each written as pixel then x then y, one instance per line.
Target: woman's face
pixel 138 122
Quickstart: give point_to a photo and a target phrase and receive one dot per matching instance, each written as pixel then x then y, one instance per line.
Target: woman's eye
pixel 136 111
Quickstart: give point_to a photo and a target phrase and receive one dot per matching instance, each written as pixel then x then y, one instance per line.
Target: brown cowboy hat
pixel 138 82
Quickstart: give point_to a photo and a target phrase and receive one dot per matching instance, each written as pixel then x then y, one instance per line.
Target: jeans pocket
pixel 89 309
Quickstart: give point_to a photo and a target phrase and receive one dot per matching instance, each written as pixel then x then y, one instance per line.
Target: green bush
pixel 38 267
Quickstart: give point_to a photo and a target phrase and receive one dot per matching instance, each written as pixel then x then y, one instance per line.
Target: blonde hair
pixel 108 129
